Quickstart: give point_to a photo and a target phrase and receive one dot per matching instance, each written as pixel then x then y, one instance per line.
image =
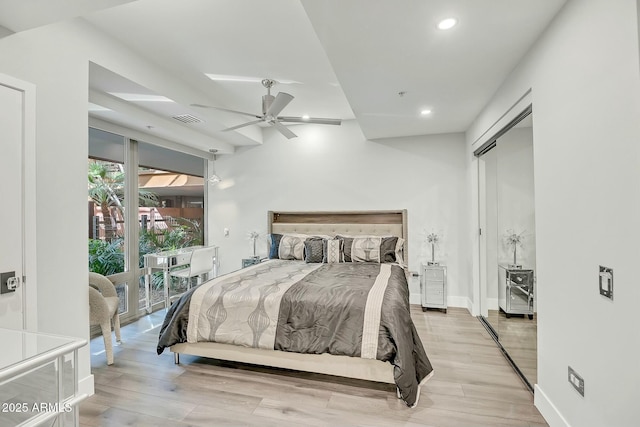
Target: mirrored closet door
pixel 507 243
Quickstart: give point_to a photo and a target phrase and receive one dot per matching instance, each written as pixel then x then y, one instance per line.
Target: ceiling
pixel 380 62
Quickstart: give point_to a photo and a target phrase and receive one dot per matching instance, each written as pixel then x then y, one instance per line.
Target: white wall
pixel 585 86
pixel 336 168
pixel 61 158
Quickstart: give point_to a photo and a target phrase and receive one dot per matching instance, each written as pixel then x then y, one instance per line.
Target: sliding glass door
pixel 176 218
pixel 142 199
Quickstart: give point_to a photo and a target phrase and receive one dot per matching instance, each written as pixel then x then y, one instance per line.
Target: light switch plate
pixel 605 279
pixel 576 381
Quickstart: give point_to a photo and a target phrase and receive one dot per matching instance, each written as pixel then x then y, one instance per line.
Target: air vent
pixel 188 118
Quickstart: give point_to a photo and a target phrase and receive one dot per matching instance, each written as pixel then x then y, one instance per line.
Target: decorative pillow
pixel 361 248
pixel 366 249
pixel 388 249
pixel 346 247
pixel 275 241
pixel 370 248
pixel 291 247
pixel 274 245
pixel 332 251
pixel 313 249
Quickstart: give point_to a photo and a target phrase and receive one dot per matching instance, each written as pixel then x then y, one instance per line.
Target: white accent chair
pixel 103 309
pixel 202 262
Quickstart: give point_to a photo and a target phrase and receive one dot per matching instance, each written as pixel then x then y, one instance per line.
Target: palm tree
pixel 106 189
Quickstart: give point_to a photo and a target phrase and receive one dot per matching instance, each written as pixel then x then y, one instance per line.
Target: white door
pixel 17 253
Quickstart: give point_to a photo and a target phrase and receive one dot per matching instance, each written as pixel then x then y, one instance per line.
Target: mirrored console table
pixel 38 379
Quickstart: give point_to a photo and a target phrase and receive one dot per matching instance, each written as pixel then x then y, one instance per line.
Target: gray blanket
pixel 352 309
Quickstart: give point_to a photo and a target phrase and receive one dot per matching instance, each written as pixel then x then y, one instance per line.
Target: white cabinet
pixel 433 286
pixel 38 379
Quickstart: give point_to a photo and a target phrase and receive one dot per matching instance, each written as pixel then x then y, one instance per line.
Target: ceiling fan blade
pixel 281 101
pixel 315 120
pixel 225 109
pixel 284 130
pixel 242 125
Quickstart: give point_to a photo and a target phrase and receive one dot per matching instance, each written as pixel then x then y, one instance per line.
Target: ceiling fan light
pixel 214 179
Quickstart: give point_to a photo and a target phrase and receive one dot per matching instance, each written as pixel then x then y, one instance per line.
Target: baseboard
pixel 462 302
pixel 552 416
pixel 86 386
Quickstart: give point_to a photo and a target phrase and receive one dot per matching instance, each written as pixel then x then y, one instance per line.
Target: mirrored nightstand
pixel 515 292
pixel 433 286
pixel 246 262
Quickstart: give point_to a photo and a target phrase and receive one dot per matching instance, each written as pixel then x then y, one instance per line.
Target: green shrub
pixel 106 258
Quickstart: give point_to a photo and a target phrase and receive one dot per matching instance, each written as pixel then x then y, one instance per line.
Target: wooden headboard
pixel 354 223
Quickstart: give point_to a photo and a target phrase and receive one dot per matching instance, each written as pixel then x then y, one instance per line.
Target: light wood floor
pixel 473 385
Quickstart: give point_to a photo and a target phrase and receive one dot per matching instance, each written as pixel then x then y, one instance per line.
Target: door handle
pixel 13 283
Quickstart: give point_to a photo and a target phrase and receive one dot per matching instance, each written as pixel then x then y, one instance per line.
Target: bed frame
pixel 379 223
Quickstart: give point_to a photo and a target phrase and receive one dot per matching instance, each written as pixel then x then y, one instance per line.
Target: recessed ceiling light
pixel 141 97
pixel 425 112
pixel 447 23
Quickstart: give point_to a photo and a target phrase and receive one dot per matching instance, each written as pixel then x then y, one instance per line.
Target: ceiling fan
pixel 271 107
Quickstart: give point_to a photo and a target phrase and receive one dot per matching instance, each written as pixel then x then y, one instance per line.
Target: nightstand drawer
pixel 520 278
pixel 434 274
pixel 518 304
pixel 435 294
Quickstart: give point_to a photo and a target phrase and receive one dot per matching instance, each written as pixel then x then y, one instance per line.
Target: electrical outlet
pixel 576 381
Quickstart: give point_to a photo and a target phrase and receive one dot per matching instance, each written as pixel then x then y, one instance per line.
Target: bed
pixel 332 299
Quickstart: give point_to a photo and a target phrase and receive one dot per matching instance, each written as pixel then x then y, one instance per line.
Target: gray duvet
pixel 352 309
